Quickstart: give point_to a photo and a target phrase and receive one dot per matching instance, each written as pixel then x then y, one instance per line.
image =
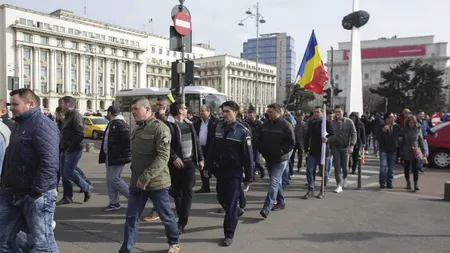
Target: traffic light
pixel 175 85
pixel 336 91
pixel 327 97
pixel 189 73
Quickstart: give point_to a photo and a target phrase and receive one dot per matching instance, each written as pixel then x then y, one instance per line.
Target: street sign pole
pixel 183 96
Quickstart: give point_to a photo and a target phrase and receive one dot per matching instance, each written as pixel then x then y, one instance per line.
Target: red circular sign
pixel 182 23
pixel 436 119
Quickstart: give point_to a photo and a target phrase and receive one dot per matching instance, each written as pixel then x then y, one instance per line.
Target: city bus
pixel 196 96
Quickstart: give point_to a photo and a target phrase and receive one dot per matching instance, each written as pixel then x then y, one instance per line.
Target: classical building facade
pixel 236 77
pixel 58 54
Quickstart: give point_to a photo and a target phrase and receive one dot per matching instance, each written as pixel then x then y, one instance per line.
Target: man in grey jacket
pixel 341 146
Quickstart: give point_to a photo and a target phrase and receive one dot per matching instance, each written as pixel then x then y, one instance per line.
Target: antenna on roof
pixel 85 7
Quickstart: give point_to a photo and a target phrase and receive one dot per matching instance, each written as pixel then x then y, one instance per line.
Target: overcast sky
pixel 215 21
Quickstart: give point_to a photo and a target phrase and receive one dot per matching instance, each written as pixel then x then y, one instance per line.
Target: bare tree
pixel 371 100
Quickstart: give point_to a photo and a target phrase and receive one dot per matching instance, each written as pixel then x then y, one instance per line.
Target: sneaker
pixel 53 225
pixel 279 207
pixel 338 189
pixel 309 195
pixel 264 213
pixel 246 187
pixel 87 195
pixel 111 207
pixel 227 242
pixel 151 217
pixel 64 201
pixel 174 248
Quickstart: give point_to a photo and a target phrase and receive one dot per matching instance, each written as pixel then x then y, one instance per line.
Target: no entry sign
pixel 182 23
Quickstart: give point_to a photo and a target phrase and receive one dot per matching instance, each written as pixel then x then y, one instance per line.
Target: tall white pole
pixel 257 56
pixel 354 101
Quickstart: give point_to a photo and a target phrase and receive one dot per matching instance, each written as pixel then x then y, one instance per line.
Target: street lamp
pixel 259 20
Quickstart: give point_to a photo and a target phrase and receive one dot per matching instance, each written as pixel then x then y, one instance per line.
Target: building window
pixel 113 51
pixel 174 54
pixel 27 84
pixel 336 77
pixel 100 91
pixel 27 71
pixel 74 59
pixel 47 26
pixel 112 91
pixel 59 88
pixel 134 82
pixel 26 53
pixel 43 56
pixel 74 45
pixel 44 72
pixel 160 51
pixel 44 87
pixel 74 88
pixel 59 74
pixel 23 21
pixel 44 40
pixel 136 56
pixel 153 49
pixel 366 76
pixel 125 53
pixel 56 28
pixel 70 31
pixel 27 37
pixel 73 75
pixel 87 75
pixel 59 57
pixel 112 78
pixel 59 42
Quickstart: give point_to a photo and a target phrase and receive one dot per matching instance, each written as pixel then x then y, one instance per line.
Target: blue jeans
pixel 136 205
pixel 34 216
pixel 311 166
pixel 275 171
pixel 69 165
pixel 387 163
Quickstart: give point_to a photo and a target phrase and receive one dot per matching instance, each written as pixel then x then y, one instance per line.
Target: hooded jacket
pixel 116 143
pixel 360 131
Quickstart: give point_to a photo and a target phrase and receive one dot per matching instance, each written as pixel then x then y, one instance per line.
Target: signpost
pixel 180 41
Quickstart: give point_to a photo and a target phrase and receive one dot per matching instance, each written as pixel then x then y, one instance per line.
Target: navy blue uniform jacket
pixel 231 153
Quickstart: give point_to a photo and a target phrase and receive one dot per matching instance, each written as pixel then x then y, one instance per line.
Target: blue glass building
pixel 275 49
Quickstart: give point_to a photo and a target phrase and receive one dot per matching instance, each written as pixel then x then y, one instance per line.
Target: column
pixel 36 70
pixel 81 74
pixel 19 64
pixel 94 84
pixel 142 75
pixel 67 73
pixel 130 75
pixel 52 70
pixel 107 82
pixel 119 76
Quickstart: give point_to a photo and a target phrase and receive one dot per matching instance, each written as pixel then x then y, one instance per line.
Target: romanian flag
pixel 312 74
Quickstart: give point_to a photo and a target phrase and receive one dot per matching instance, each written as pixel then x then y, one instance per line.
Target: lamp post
pixel 259 19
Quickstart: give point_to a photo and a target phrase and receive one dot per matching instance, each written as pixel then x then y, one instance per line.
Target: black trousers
pixel 205 180
pixel 411 164
pixel 356 158
pixel 229 190
pixel 298 151
pixel 183 180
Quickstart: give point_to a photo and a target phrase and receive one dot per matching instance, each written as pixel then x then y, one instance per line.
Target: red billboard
pixel 389 52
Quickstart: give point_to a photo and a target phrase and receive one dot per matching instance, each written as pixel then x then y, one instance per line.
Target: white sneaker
pixel 246 187
pixel 344 183
pixel 338 189
pixel 174 248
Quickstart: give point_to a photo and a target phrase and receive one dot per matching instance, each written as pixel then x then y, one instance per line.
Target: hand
pixel 178 163
pixel 324 139
pixel 385 128
pixel 201 165
pixel 162 111
pixel 206 174
pixel 350 150
pixel 436 135
pixel 140 185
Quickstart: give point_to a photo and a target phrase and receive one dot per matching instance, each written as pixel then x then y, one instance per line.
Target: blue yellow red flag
pixel 311 74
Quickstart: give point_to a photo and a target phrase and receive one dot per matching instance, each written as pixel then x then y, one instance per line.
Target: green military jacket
pixel 150 144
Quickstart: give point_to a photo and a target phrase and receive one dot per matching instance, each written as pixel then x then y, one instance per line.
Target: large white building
pixel 236 77
pixel 58 54
pixel 381 54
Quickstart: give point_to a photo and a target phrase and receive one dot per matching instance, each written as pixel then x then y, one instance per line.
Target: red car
pixel 439 147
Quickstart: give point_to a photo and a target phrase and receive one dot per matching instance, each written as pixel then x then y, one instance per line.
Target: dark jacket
pixel 313 137
pixel 388 141
pixel 256 130
pixel 277 140
pixel 360 131
pixel 231 153
pixel 412 137
pixel 72 131
pixel 212 124
pixel 118 140
pixel 9 122
pixel 175 144
pixel 32 160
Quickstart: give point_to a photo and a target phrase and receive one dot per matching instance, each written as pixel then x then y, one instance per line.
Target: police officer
pixel 230 156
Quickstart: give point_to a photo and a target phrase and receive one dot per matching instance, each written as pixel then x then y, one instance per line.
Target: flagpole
pixel 324 147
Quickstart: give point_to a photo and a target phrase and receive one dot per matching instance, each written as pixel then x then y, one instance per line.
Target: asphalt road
pixel 370 221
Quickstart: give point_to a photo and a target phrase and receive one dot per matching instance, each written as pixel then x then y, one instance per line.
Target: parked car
pixel 94 127
pixel 440 146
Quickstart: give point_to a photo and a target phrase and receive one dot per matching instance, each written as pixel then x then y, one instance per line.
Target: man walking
pixel 28 187
pixel 342 143
pixel 150 177
pixel 256 129
pixel 231 155
pixel 115 152
pixel 71 150
pixel 205 128
pixel 276 144
pixel 186 157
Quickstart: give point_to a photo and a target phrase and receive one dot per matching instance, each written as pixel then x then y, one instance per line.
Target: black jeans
pixel 299 151
pixel 183 180
pixel 407 164
pixel 205 180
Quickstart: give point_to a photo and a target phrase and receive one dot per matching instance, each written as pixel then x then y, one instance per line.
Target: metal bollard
pixel 447 191
pixel 360 188
pixel 89 147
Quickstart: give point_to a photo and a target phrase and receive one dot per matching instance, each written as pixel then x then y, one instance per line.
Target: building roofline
pixel 237 58
pixel 393 38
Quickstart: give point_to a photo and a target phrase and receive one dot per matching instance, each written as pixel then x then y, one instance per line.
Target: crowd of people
pixel 168 146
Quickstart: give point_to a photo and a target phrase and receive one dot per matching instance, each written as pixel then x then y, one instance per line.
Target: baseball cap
pixel 113 109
